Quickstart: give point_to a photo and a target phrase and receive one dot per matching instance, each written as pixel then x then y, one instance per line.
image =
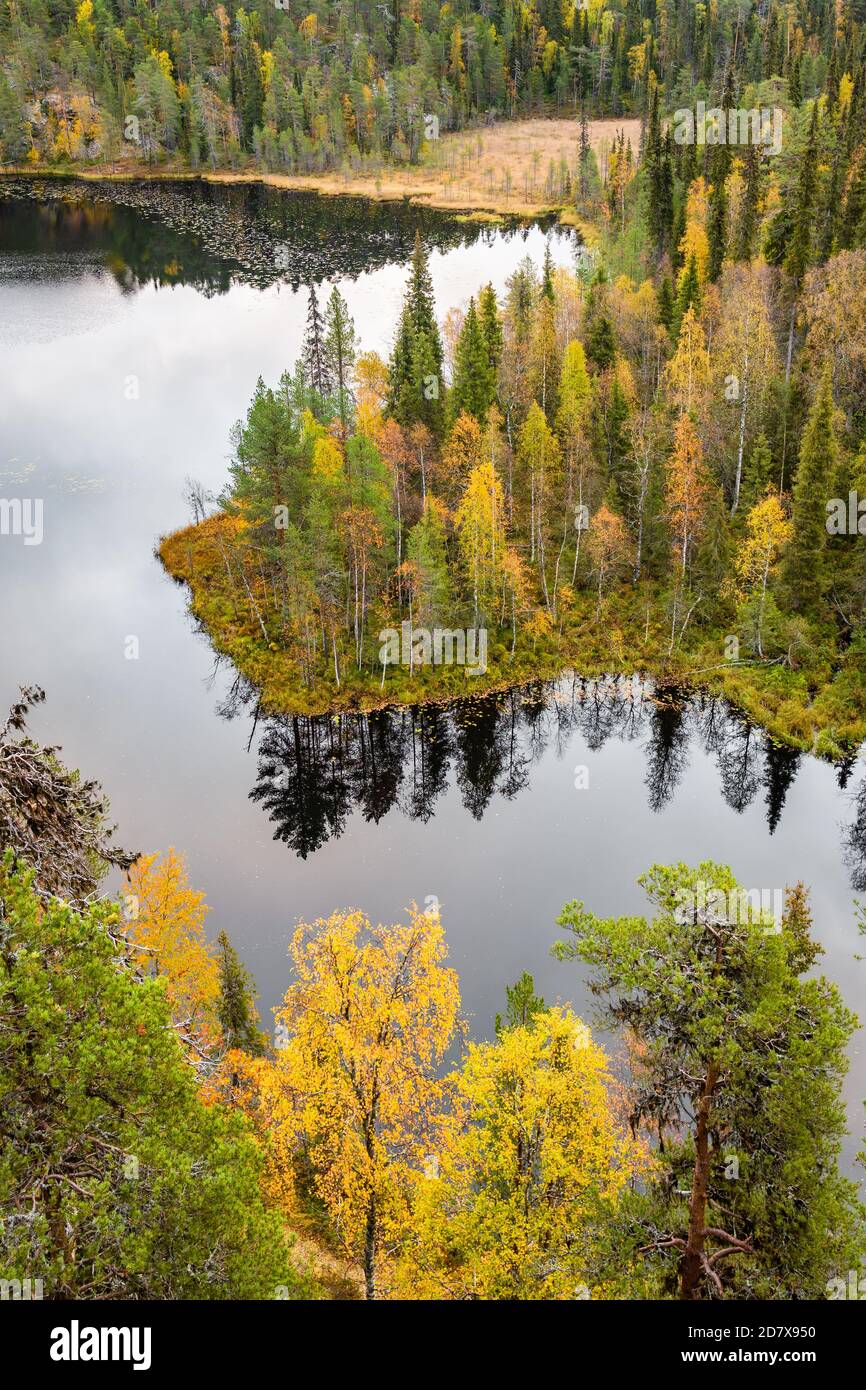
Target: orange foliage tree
pixel 352 1103
pixel 165 918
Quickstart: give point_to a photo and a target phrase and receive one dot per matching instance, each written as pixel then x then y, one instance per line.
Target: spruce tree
pixel 584 150
pixel 415 377
pixel 235 1008
pixel 805 572
pixel 665 299
pixel 421 301
pixel 663 194
pixel 491 327
pixel 831 82
pixel 427 551
pixel 689 293
pixel 315 359
pixel 427 387
pixel 828 217
pixel 748 221
pixel 717 220
pixel 547 273
pixel 799 249
pixel 852 223
pixel 341 346
pixel 601 342
pixel 474 387
pixel 758 474
pixel 522 289
pixel 400 370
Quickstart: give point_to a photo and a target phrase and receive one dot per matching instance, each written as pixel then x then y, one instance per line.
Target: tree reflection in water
pixel 313 772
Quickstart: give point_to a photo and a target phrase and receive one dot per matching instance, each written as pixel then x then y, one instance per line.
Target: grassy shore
pixel 820 709
pixel 500 169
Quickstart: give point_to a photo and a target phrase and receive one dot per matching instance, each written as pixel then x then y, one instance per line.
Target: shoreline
pixel 488 209
pixel 814 732
pixel 521 169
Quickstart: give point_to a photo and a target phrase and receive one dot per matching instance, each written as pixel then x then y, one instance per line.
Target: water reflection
pixel 313 772
pixel 855 842
pixel 213 235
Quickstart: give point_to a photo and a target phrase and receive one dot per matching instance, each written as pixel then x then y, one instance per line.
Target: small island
pixel 586 475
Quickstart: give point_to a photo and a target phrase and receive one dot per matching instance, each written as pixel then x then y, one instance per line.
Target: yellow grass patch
pixel 500 168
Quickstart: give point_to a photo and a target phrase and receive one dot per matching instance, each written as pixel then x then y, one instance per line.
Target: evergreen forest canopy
pixel 304 87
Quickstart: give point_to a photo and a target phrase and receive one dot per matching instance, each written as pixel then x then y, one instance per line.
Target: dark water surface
pixel 191 291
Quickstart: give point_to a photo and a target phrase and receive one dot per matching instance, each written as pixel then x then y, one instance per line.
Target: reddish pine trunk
pixel 692 1268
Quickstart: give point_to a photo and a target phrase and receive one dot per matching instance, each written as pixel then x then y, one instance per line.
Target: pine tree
pixel 523 1004
pixel 265 473
pixel 117 1179
pixel 764 1025
pixel 14 125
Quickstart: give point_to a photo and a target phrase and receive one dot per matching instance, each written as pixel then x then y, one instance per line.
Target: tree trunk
pixel 370 1251
pixel 693 1259
pixel 741 442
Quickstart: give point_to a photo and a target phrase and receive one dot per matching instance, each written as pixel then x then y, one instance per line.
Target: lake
pixel 134 323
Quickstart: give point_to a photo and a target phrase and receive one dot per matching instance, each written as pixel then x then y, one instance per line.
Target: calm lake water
pixel 196 292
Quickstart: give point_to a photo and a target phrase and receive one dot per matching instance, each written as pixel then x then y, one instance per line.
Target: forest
pixel 602 470
pixel 646 468
pixel 161 1145
pixel 302 88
